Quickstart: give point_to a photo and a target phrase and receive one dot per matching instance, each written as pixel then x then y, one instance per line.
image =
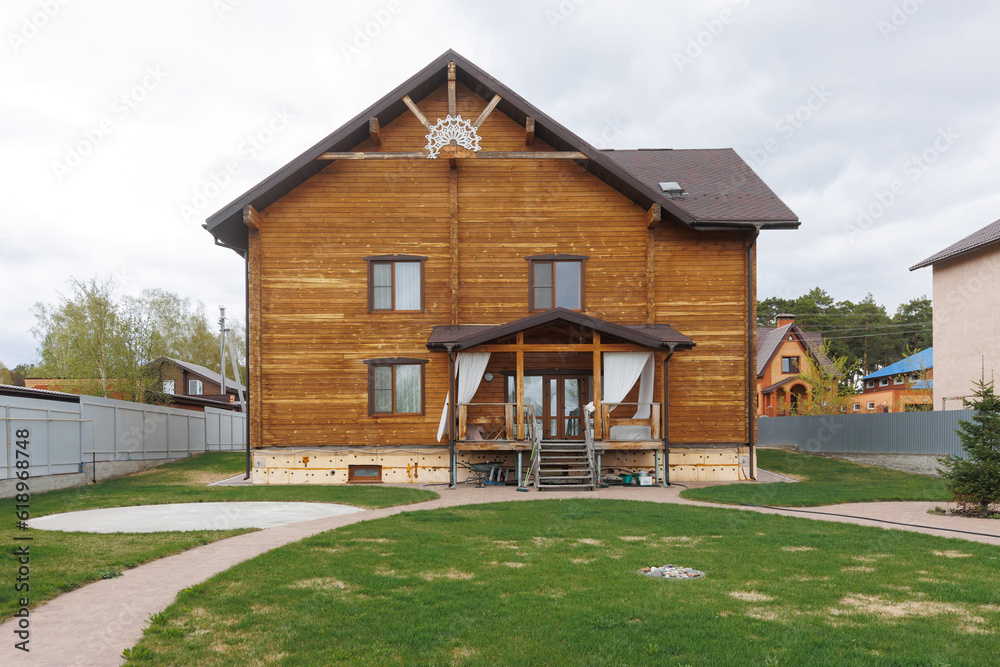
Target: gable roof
pixel 718 185
pixel 978 239
pixel 921 361
pixel 769 342
pixel 226 225
pixel 202 371
pixel 47 394
pixel 465 336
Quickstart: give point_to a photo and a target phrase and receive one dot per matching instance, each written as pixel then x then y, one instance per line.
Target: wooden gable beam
pixel 251 217
pixel 416 112
pixel 486 112
pixel 452 92
pixel 375 130
pixel 460 154
pixel 529 131
pixel 653 216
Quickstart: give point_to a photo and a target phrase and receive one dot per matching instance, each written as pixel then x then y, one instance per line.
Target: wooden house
pixel 454 241
pixel 782 354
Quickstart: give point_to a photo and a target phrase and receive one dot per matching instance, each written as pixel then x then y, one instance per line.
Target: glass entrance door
pixel 565 397
pixel 558 402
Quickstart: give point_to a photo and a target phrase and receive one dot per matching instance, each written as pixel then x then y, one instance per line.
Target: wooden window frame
pixel 352 479
pixel 790 372
pixel 391 260
pixel 552 259
pixel 393 362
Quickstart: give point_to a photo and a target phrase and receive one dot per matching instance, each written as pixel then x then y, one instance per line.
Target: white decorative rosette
pixel 452 128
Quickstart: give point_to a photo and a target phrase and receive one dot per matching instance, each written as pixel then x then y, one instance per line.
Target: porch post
pixel 452 461
pixel 666 417
pixel 598 413
pixel 521 424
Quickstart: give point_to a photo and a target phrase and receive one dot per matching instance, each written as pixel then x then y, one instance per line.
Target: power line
pixel 874 335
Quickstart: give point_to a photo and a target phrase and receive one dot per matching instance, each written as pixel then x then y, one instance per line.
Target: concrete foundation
pixel 105 470
pixel 319 465
pixel 922 464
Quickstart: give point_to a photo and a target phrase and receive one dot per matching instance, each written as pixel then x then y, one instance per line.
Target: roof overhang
pixel 464 337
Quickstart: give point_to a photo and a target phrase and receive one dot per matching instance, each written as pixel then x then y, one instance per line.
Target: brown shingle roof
pixel 985 236
pixel 769 340
pixel 465 336
pixel 718 184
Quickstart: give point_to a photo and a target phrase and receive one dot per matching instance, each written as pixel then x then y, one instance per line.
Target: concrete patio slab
pixel 189 516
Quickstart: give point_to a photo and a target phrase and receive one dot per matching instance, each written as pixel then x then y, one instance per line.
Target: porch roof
pixel 779 384
pixel 465 336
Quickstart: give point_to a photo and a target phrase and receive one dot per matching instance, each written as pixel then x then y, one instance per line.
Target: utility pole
pixel 222 346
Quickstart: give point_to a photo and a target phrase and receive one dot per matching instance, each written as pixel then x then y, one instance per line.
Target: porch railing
pixel 494 421
pixel 611 419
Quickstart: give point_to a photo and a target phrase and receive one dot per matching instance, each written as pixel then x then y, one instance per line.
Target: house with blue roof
pixel 905 386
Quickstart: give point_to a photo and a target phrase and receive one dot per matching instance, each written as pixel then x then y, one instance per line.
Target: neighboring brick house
pixel 782 353
pixel 966 314
pixel 904 386
pixel 182 378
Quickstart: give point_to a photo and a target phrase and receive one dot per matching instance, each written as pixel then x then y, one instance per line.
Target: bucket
pixel 626 477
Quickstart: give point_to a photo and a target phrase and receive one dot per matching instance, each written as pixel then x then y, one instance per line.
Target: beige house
pixel 966 315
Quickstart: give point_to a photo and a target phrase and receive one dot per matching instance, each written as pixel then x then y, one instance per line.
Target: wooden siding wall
pixel 315 330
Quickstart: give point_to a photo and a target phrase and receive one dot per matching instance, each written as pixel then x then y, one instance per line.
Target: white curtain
pixel 645 388
pixel 469 368
pixel 621 370
pixel 407 285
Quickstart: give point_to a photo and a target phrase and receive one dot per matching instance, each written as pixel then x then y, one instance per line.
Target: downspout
pixel 246 406
pixel 666 417
pixel 751 357
pixel 451 416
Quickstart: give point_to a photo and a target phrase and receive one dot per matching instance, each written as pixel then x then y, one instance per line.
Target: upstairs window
pixel 556 281
pixel 898 380
pixel 884 382
pixel 395 386
pixel 395 283
pixel 789 364
pixel 870 384
pixel 195 388
pixel 168 386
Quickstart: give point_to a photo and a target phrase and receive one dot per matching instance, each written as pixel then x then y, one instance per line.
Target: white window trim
pixel 871 405
pixel 898 380
pixel 172 386
pixel 857 407
pixel 200 385
pixel 884 382
pixel 870 384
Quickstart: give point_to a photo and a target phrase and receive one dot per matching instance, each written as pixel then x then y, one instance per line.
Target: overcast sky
pixel 877 122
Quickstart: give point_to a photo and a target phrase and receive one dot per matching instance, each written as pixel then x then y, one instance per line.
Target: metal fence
pixel 880 433
pixel 62 436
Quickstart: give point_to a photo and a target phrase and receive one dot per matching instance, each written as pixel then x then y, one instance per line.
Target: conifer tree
pixel 975 480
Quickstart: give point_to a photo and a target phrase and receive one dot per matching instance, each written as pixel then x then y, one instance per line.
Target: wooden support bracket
pixel 653 216
pixel 416 112
pixel 375 130
pixel 529 131
pixel 251 217
pixel 486 112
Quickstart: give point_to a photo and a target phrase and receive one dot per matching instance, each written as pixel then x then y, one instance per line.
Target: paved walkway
pixel 93 624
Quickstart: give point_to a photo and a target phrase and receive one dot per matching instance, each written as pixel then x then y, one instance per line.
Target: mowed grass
pixel 823 481
pixel 63 561
pixel 554 582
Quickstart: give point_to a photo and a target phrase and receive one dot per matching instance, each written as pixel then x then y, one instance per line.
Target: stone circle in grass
pixel 672 572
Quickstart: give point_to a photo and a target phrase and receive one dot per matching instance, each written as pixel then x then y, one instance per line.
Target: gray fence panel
pixel 881 433
pixel 226 430
pixel 213 430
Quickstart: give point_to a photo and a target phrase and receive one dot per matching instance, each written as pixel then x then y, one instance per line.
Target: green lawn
pixel 64 561
pixel 553 582
pixel 823 481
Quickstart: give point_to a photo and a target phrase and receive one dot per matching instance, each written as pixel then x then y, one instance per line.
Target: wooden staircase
pixel 565 465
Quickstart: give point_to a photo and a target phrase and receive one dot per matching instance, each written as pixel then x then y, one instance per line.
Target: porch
pixel 558 379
